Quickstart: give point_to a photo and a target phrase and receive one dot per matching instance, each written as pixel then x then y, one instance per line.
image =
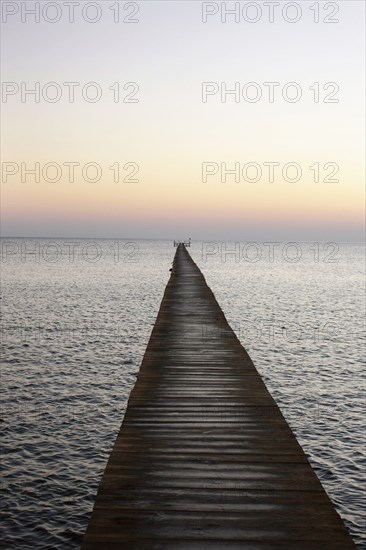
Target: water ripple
pixel 74 336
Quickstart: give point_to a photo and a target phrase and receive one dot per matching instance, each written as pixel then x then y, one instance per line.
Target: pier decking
pixel 204 458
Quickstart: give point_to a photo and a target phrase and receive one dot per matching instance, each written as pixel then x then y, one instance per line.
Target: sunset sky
pixel 170 131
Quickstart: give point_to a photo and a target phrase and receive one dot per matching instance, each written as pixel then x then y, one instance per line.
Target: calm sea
pixel 77 315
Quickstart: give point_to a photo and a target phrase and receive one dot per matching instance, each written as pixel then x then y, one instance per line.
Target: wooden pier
pixel 187 244
pixel 204 458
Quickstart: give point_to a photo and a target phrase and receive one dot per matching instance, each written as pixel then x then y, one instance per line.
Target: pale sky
pixel 170 132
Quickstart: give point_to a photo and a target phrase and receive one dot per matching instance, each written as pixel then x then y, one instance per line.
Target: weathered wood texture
pixel 204 458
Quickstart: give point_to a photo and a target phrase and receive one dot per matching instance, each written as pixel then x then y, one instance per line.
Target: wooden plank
pixel 204 458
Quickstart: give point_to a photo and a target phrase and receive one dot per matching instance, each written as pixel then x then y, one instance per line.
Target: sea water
pixel 76 318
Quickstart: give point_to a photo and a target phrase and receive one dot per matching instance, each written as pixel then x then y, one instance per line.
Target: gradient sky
pixel 170 132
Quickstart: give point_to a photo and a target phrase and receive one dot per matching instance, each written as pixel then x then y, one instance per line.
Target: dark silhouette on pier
pixel 204 458
pixel 187 244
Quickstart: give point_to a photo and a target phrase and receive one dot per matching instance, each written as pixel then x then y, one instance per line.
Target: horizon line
pixel 173 240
